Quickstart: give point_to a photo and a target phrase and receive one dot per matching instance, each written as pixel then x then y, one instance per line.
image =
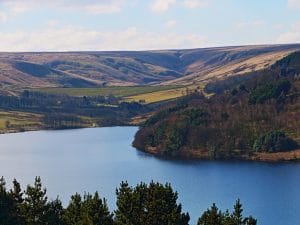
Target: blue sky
pixel 71 25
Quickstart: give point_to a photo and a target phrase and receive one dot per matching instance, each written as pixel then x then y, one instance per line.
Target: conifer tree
pixel 9 213
pixel 55 212
pixel 152 204
pixel 212 217
pixel 35 205
pixel 95 210
pixel 237 216
pixel 72 213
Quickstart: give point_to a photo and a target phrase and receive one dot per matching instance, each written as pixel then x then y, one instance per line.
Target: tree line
pixel 260 114
pixel 144 204
pixel 64 111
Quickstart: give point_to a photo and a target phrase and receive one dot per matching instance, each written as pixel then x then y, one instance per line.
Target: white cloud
pixel 192 4
pixel 3 17
pixel 79 39
pixel 165 5
pixel 13 7
pixel 53 23
pixel 294 4
pixel 17 7
pixel 257 24
pixel 104 8
pixel 291 36
pixel 162 5
pixel 171 24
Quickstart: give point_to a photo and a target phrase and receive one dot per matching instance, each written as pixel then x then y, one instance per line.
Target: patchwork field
pixel 123 91
pixel 164 95
pixel 143 94
pixel 18 121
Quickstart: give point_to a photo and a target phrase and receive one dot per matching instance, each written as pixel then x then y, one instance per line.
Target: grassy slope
pixel 19 121
pixel 146 94
pixel 90 69
pixel 24 121
pixel 123 91
pixel 233 68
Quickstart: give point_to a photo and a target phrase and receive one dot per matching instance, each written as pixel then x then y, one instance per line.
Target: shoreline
pixel 288 156
pixel 15 131
pixel 198 155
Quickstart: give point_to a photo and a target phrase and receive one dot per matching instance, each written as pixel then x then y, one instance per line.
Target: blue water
pixel 99 159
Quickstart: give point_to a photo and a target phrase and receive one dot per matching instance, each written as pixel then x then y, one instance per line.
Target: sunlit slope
pixel 94 69
pixel 236 67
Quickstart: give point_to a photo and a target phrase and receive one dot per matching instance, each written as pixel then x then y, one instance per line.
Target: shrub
pixel 274 141
pixel 269 91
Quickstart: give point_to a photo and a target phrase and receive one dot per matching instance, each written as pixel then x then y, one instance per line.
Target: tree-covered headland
pixel 244 118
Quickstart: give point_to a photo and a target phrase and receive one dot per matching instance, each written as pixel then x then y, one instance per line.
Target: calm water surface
pixel 99 159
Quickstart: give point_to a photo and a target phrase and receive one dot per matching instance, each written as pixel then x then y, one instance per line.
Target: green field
pixel 13 120
pixel 122 91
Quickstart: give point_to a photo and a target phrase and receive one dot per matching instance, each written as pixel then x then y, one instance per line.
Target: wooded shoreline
pixel 203 155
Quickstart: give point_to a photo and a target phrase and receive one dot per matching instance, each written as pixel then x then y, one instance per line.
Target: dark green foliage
pixel 226 126
pixel 176 138
pixel 8 207
pixel 289 65
pixel 152 204
pixel 214 216
pixel 211 217
pixel 196 117
pixel 89 210
pixel 237 215
pixel 274 141
pixel 269 91
pixel 144 204
pixel 35 204
pixel 73 211
pixel 64 111
pixel 54 213
pixel 164 113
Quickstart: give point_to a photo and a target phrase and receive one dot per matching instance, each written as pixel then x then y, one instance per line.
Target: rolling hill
pixel 165 67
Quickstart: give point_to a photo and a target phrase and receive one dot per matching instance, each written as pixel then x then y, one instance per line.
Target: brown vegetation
pixel 257 119
pixel 90 69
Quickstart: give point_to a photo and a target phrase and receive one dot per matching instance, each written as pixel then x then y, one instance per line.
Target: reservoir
pixel 98 159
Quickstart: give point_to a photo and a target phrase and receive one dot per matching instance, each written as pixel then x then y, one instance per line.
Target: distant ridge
pixel 126 68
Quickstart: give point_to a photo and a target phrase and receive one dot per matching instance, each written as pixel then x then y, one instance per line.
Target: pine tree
pixel 91 210
pixel 212 217
pixel 73 211
pixel 35 205
pixel 152 204
pixel 215 217
pixel 8 207
pixel 18 200
pixel 251 221
pixel 5 203
pixel 95 211
pixel 124 215
pixel 237 216
pixel 55 212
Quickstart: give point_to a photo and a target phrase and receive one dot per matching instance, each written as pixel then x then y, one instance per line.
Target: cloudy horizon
pixel 107 25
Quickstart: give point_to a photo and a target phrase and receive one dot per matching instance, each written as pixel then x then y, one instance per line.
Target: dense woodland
pixel 64 111
pixel 144 204
pixel 261 114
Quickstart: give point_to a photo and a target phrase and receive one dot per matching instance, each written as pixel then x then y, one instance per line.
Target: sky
pixel 100 25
